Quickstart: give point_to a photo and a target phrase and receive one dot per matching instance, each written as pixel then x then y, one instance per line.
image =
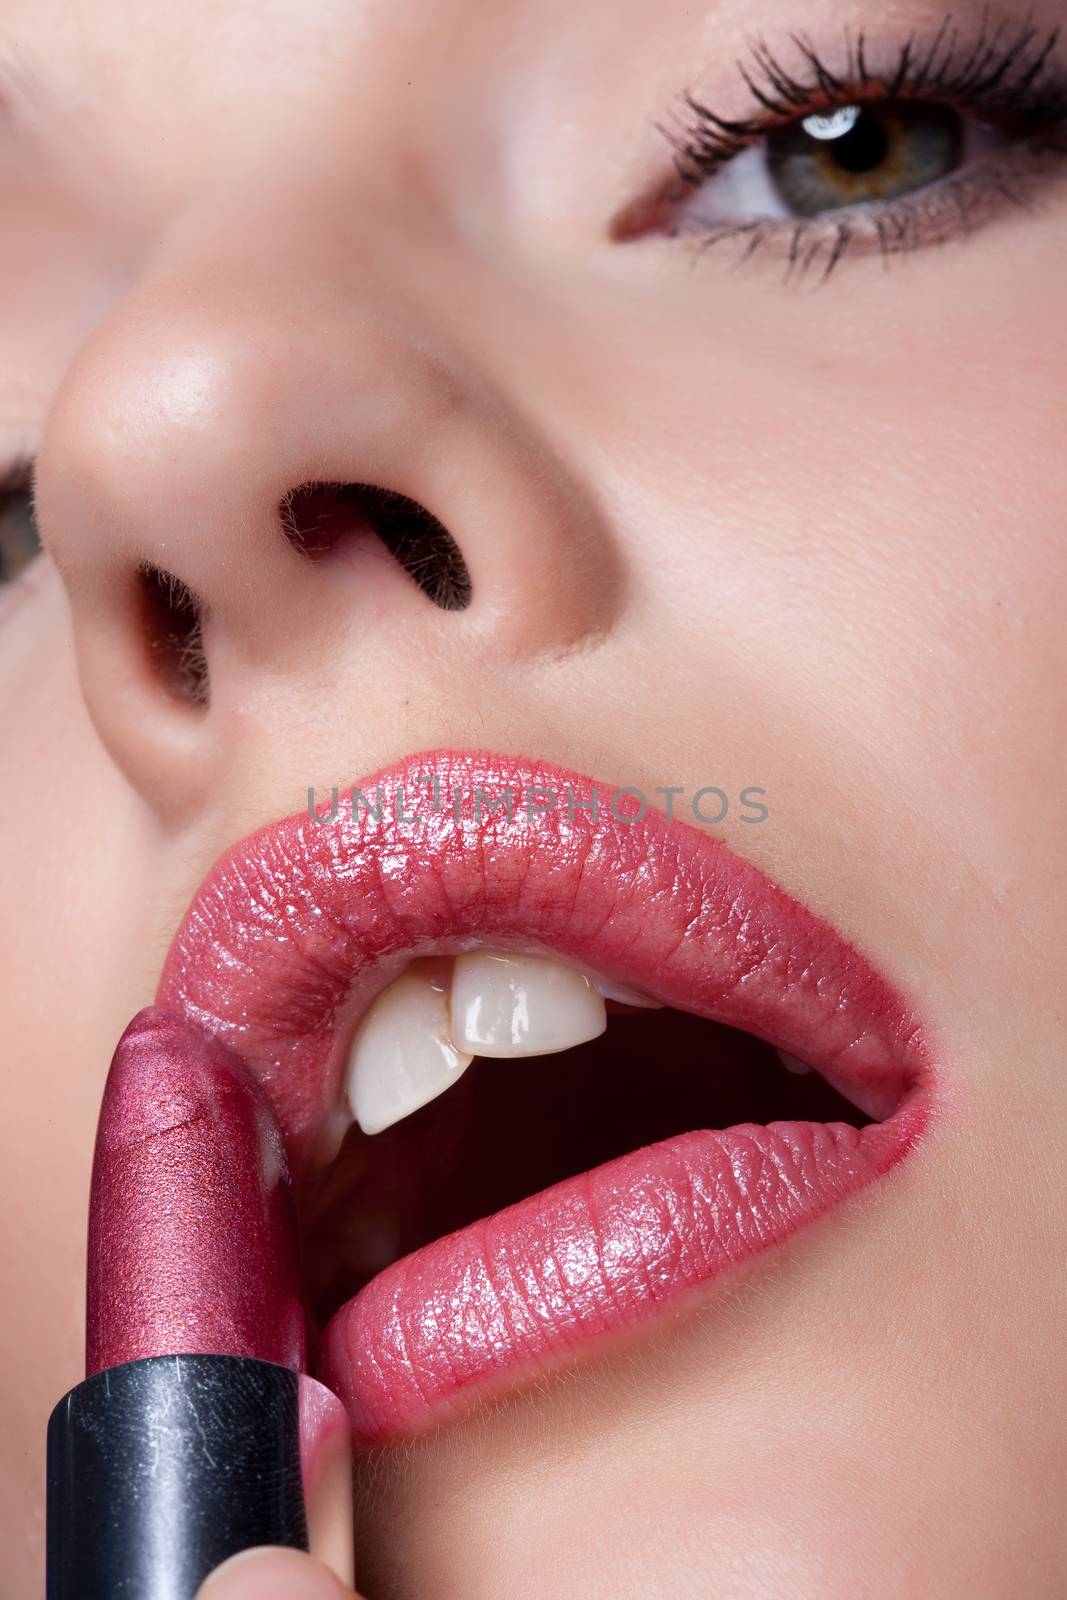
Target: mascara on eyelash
pixel 1005 74
pixel 1000 75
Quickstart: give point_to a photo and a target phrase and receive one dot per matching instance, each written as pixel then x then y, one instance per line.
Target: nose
pixel 269 458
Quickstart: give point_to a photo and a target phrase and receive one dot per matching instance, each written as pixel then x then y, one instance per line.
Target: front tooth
pixel 794 1064
pixel 619 991
pixel 505 1005
pixel 403 1056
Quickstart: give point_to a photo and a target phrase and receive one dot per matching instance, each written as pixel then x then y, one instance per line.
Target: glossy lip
pixel 298 927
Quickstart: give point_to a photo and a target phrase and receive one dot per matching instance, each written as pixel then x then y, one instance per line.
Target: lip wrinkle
pixel 298 927
pixel 589 1258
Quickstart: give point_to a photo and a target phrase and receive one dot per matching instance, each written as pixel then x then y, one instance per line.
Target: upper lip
pixel 297 929
pixel 300 925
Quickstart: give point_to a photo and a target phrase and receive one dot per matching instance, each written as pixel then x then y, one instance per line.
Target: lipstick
pixel 298 929
pixel 196 1433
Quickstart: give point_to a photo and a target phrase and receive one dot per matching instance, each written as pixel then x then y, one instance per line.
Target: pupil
pixel 863 148
pixel 859 154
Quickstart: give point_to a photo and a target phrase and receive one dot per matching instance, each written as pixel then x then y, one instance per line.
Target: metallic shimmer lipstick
pixel 301 925
pixel 196 1433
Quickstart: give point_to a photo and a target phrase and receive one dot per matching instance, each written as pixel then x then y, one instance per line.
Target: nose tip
pixel 183 453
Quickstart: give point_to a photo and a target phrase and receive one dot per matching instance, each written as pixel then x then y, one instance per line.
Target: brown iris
pixel 863 153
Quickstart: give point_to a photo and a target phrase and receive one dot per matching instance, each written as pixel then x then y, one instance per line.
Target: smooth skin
pixel 722 529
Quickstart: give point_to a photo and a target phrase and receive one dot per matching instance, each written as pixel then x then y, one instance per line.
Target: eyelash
pixel 1005 76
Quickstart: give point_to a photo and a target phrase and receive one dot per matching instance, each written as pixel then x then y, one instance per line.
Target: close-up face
pixel 532 570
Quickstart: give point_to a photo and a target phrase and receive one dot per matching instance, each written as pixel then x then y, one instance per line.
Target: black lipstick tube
pixel 160 1469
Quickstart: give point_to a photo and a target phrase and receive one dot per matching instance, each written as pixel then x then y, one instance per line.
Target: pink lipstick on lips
pixel 196 1434
pixel 300 926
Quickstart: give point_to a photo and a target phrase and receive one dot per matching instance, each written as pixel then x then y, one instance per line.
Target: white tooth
pixel 618 991
pixel 505 1004
pixel 794 1064
pixel 403 1056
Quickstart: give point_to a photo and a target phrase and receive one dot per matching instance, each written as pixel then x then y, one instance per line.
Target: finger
pixel 273 1575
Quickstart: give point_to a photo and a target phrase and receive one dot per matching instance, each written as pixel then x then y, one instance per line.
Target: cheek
pixel 73 864
pixel 853 502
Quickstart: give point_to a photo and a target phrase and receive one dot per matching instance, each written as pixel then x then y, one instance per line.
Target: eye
pixel 880 145
pixel 20 541
pixel 853 156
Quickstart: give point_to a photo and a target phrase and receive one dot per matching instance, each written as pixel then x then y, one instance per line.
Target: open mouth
pixel 512 1126
pixel 546 1066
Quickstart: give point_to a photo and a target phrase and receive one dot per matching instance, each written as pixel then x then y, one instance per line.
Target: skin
pixel 721 529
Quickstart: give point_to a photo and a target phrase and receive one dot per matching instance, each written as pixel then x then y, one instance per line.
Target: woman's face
pixel 750 447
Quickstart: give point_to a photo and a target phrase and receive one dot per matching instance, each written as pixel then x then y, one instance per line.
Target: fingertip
pixel 269 1574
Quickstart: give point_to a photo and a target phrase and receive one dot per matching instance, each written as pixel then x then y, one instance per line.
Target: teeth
pixel 421 1034
pixel 794 1064
pixel 618 991
pixel 403 1056
pixel 507 1005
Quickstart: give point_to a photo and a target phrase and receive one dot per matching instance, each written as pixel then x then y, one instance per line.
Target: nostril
pixel 172 618
pixel 318 516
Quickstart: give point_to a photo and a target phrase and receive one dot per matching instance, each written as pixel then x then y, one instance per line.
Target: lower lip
pixel 589 1258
